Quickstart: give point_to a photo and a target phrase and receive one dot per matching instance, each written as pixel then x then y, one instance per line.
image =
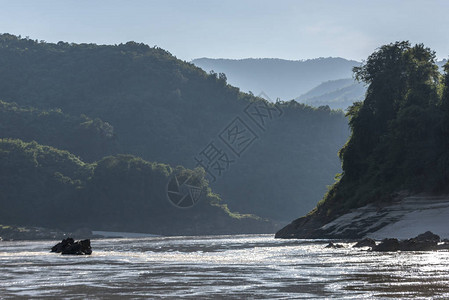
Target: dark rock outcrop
pixel 59 247
pixel 365 243
pixel 444 246
pixel 69 246
pixel 387 245
pixel 307 227
pixel 334 246
pixel 428 236
pixel 416 245
pixel 423 242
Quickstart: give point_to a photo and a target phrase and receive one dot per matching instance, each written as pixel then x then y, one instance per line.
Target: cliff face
pixel 403 218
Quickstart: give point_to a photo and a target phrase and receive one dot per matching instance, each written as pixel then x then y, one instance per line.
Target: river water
pixel 219 267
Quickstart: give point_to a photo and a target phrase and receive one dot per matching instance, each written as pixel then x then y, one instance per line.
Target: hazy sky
pixel 237 28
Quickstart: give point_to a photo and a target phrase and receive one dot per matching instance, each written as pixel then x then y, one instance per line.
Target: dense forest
pixel 44 186
pixel 88 138
pixel 97 100
pixel 399 133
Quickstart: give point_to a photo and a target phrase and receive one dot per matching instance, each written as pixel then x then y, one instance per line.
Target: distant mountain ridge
pixel 315 82
pixel 337 94
pixel 281 78
pixel 327 87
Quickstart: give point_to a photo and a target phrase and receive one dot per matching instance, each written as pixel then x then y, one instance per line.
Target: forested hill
pixel 89 138
pixel 399 136
pixel 44 186
pixel 130 98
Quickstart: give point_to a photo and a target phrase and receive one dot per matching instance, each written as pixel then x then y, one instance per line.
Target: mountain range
pixel 315 82
pixel 279 78
pixel 128 107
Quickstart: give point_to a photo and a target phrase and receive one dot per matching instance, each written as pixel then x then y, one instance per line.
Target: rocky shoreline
pixel 427 241
pixel 403 218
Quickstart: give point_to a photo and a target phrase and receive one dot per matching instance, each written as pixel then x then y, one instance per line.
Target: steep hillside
pixel 169 111
pixel 399 139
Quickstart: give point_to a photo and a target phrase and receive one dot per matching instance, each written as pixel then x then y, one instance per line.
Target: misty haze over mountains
pixel 316 82
pixel 285 79
pixel 337 94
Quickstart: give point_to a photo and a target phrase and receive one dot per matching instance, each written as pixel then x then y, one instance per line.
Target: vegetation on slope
pixel 89 138
pixel 44 186
pixel 399 133
pixel 165 110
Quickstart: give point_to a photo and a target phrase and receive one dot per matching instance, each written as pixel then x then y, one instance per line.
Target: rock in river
pixel 367 242
pixel 423 242
pixel 334 246
pixel 69 246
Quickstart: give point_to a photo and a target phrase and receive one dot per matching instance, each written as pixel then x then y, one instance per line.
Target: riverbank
pixel 21 233
pixel 31 233
pixel 404 218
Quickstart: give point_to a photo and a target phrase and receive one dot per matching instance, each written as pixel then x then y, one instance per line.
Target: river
pixel 219 267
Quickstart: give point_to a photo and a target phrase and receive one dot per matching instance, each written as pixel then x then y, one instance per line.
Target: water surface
pixel 218 267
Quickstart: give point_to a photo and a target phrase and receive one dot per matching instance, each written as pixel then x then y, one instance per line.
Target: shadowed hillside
pixel 131 98
pixel 44 186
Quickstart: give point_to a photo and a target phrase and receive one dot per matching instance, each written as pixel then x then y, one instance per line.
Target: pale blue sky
pixel 236 28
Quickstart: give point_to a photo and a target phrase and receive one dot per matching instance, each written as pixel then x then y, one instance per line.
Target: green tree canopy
pixel 398 138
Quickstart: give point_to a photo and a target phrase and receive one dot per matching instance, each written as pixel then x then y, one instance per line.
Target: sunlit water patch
pixel 217 267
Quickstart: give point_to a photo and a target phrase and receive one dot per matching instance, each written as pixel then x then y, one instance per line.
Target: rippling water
pixel 231 267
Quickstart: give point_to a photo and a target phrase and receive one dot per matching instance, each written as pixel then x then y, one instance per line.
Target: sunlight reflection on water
pixel 250 266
